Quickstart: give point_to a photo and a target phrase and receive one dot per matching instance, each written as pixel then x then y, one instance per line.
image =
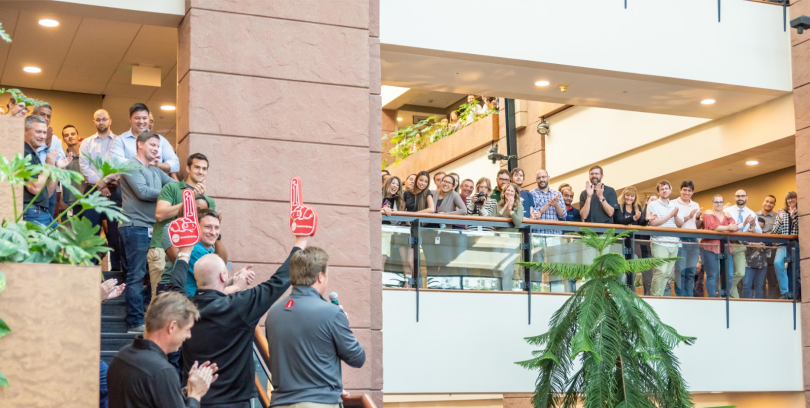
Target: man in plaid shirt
pixel 548 204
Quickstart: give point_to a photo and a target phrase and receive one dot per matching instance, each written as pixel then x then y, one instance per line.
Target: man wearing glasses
pixel 746 221
pixel 97 146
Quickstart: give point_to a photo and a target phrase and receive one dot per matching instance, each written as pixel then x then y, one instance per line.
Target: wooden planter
pixel 51 357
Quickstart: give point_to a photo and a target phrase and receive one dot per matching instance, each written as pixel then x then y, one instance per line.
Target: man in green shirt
pixel 170 206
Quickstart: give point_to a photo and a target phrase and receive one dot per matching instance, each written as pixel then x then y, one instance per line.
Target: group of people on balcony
pixel 755 270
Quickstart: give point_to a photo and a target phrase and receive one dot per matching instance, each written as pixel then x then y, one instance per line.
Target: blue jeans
pixel 688 253
pixel 52 204
pixel 113 240
pixel 755 277
pixel 135 242
pixel 37 215
pixel 104 399
pixel 781 271
pixel 711 264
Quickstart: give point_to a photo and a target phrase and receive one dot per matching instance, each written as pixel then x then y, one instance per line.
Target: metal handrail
pixel 415 221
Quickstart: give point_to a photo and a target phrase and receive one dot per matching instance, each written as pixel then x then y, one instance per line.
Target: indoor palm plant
pixel 74 241
pixel 625 351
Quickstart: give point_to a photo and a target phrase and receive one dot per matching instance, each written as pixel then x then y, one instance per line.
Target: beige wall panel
pixel 278 109
pixel 801 103
pixel 69 108
pixel 11 142
pixel 321 167
pixel 798 8
pixel 777 183
pixel 801 59
pixel 301 51
pixel 350 13
pixel 51 356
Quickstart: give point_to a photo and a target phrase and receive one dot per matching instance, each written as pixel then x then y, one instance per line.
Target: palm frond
pixel 564 269
pixel 645 264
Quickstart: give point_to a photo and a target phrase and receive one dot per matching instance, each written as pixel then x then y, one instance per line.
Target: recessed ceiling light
pixel 752 162
pixel 167 108
pixel 542 83
pixel 32 70
pixel 708 102
pixel 399 119
pixel 48 22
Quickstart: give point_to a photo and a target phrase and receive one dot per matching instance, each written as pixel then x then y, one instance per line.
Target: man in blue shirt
pixel 571 212
pixel 125 147
pixel 209 222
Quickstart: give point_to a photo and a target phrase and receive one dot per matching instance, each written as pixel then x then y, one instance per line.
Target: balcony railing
pixel 452 252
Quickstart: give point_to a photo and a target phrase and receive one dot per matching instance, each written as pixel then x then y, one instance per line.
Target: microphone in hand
pixel 334 298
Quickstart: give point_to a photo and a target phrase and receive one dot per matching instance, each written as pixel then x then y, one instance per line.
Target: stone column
pixel 801 103
pixel 272 89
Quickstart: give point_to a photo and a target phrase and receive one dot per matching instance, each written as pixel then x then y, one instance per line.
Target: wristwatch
pixel 602 200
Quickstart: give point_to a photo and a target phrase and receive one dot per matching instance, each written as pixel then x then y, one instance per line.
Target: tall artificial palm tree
pixel 624 349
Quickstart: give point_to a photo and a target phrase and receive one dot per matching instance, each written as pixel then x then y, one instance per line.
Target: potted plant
pixel 45 290
pixel 626 352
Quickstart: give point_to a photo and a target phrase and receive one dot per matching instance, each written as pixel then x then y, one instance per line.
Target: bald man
pixel 224 333
pixel 99 146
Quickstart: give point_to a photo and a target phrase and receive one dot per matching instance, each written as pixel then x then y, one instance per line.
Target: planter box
pixel 51 357
pixel 467 140
pixel 11 142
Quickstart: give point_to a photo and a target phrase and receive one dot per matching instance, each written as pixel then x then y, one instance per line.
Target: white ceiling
pixel 482 75
pixel 94 56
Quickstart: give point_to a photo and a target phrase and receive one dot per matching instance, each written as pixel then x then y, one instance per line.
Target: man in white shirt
pixel 125 148
pixel 746 222
pixel 685 268
pixel 663 213
pixel 98 146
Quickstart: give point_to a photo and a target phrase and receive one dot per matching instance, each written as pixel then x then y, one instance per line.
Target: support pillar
pixel 269 90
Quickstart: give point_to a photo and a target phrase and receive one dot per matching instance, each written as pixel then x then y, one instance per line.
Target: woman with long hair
pixel 630 212
pixel 419 198
pixel 510 206
pixel 643 241
pixel 715 220
pixel 392 201
pixel 787 223
pixel 479 203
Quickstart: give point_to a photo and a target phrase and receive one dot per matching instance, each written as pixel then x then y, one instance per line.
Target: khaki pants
pixel 738 257
pixel 663 273
pixel 156 259
pixel 310 405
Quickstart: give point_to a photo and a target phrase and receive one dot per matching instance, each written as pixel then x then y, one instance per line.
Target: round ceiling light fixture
pixel 707 102
pixel 48 22
pixel 752 162
pixel 167 108
pixel 32 70
pixel 542 83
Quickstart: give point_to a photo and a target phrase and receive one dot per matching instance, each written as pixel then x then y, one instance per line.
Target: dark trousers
pixel 113 238
pixel 135 241
pixel 240 404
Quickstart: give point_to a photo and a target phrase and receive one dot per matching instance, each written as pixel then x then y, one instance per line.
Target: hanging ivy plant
pixel 411 139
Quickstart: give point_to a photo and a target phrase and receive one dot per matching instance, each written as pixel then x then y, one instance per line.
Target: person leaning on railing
pixel 630 213
pixel 787 223
pixel 419 198
pixel 392 201
pixel 480 203
pixel 441 248
pixel 714 220
pixel 510 206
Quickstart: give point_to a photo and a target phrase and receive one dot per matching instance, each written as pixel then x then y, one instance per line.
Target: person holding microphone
pixel 308 337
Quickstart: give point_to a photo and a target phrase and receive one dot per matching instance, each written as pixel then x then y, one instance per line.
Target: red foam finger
pixel 303 218
pixel 184 231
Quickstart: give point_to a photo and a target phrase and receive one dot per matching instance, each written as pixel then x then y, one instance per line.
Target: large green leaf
pixel 83 243
pixel 102 205
pixel 4 329
pixel 606 265
pixel 3 380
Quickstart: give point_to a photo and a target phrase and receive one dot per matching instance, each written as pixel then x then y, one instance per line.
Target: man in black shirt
pixel 141 377
pixel 598 202
pixel 224 333
pixel 37 193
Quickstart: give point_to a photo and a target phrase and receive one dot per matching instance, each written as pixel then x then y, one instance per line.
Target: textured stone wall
pixel 51 355
pixel 272 89
pixel 801 101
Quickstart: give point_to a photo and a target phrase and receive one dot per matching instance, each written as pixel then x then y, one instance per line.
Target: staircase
pixel 113 323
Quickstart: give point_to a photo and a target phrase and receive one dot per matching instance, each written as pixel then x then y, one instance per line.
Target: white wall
pixel 468 342
pixel 668 38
